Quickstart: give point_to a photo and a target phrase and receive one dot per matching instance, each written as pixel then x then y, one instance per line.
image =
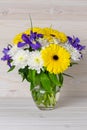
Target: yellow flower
pixel 17 38
pixel 47 34
pixel 56 58
pixel 50 34
pixel 35 29
pixel 62 37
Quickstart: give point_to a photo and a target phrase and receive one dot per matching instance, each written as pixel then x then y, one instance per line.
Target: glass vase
pixel 45 100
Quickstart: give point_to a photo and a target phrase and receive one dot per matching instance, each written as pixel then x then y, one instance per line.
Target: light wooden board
pixel 20 114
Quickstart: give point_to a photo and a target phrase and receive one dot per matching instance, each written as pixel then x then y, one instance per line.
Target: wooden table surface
pixel 17 110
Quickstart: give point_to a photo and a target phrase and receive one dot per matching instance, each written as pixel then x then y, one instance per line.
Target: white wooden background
pixel 17 110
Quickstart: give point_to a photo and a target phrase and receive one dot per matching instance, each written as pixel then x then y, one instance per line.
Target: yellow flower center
pixel 20 58
pixel 37 60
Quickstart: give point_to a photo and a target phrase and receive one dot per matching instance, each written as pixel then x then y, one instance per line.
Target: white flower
pixel 35 61
pixel 75 55
pixel 43 42
pixel 13 50
pixel 56 41
pixel 20 58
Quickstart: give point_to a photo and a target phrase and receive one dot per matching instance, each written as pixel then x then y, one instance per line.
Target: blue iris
pixel 6 56
pixel 31 40
pixel 75 43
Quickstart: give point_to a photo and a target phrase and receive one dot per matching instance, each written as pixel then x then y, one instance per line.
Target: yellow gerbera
pixel 17 38
pixel 34 29
pixel 47 34
pixel 50 34
pixel 56 58
pixel 62 37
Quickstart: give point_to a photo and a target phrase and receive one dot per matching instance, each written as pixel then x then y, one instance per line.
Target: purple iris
pixel 31 40
pixel 75 43
pixel 6 56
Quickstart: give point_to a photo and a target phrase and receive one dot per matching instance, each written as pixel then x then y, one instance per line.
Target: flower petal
pixel 6 57
pixel 21 44
pixel 25 38
pixel 40 35
pixel 35 46
pixel 75 43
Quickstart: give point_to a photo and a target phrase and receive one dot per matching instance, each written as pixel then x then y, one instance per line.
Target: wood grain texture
pixel 20 114
pixel 17 110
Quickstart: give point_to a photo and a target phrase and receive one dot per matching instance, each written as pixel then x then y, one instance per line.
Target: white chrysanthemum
pixel 20 58
pixel 56 41
pixel 35 61
pixel 43 42
pixel 75 55
pixel 13 50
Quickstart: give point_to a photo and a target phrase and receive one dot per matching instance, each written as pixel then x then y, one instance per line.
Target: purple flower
pixel 31 40
pixel 75 43
pixel 6 56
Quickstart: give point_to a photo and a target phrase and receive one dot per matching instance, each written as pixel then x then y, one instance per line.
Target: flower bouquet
pixel 41 56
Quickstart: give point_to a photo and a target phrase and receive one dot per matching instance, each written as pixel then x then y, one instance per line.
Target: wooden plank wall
pixel 69 16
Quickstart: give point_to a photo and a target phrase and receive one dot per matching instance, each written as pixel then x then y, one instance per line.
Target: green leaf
pixel 60 78
pixel 31 77
pixel 73 63
pixel 37 79
pixel 11 68
pixel 54 79
pixel 31 22
pixel 68 75
pixel 31 85
pixel 23 72
pixel 45 82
